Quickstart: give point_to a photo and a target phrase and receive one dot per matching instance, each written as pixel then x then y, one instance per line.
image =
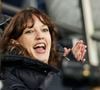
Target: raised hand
pixel 78 50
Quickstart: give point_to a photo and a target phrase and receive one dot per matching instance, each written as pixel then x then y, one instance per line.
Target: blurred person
pixel 29 53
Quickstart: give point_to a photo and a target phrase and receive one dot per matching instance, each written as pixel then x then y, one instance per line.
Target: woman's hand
pixel 78 50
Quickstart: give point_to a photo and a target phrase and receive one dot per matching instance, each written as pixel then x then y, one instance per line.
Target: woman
pixel 29 49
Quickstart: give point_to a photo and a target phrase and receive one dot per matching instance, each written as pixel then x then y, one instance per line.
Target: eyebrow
pixel 44 25
pixel 30 26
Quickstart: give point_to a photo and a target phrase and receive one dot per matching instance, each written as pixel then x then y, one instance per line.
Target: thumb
pixel 66 51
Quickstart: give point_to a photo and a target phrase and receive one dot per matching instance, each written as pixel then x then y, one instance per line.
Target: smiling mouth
pixel 40 48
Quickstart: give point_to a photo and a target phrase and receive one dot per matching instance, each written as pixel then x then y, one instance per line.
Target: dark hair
pixel 19 23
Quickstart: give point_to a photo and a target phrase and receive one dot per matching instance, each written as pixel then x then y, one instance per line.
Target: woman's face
pixel 36 40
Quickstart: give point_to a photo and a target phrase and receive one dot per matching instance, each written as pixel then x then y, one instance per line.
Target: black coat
pixel 20 73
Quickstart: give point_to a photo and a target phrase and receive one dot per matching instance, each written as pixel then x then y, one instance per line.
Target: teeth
pixel 40 45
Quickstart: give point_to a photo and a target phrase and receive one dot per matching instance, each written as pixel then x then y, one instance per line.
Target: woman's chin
pixel 42 59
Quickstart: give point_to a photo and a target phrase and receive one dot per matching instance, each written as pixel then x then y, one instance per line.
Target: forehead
pixel 35 20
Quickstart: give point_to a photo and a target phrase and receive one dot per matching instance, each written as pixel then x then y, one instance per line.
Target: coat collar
pixel 25 62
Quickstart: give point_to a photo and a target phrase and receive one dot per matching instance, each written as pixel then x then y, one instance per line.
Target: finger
pixel 79 42
pixel 77 48
pixel 78 45
pixel 78 57
pixel 66 51
pixel 83 55
pixel 80 53
pixel 82 47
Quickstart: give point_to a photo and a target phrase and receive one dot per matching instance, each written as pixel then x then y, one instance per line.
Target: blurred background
pixel 76 19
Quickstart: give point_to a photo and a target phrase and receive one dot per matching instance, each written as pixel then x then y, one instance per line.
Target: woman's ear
pixel 14 42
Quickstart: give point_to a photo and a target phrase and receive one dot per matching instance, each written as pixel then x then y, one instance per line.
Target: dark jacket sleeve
pixel 13 83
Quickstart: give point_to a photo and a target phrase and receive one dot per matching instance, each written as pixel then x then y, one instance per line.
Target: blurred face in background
pixel 36 39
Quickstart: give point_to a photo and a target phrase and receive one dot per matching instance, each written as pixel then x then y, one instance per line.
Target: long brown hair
pixel 16 26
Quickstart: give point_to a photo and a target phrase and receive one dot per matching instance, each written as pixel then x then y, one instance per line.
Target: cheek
pixel 49 40
pixel 25 42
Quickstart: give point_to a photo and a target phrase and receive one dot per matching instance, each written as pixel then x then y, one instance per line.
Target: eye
pixel 45 30
pixel 29 31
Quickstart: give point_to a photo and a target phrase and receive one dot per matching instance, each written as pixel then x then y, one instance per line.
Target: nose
pixel 39 35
